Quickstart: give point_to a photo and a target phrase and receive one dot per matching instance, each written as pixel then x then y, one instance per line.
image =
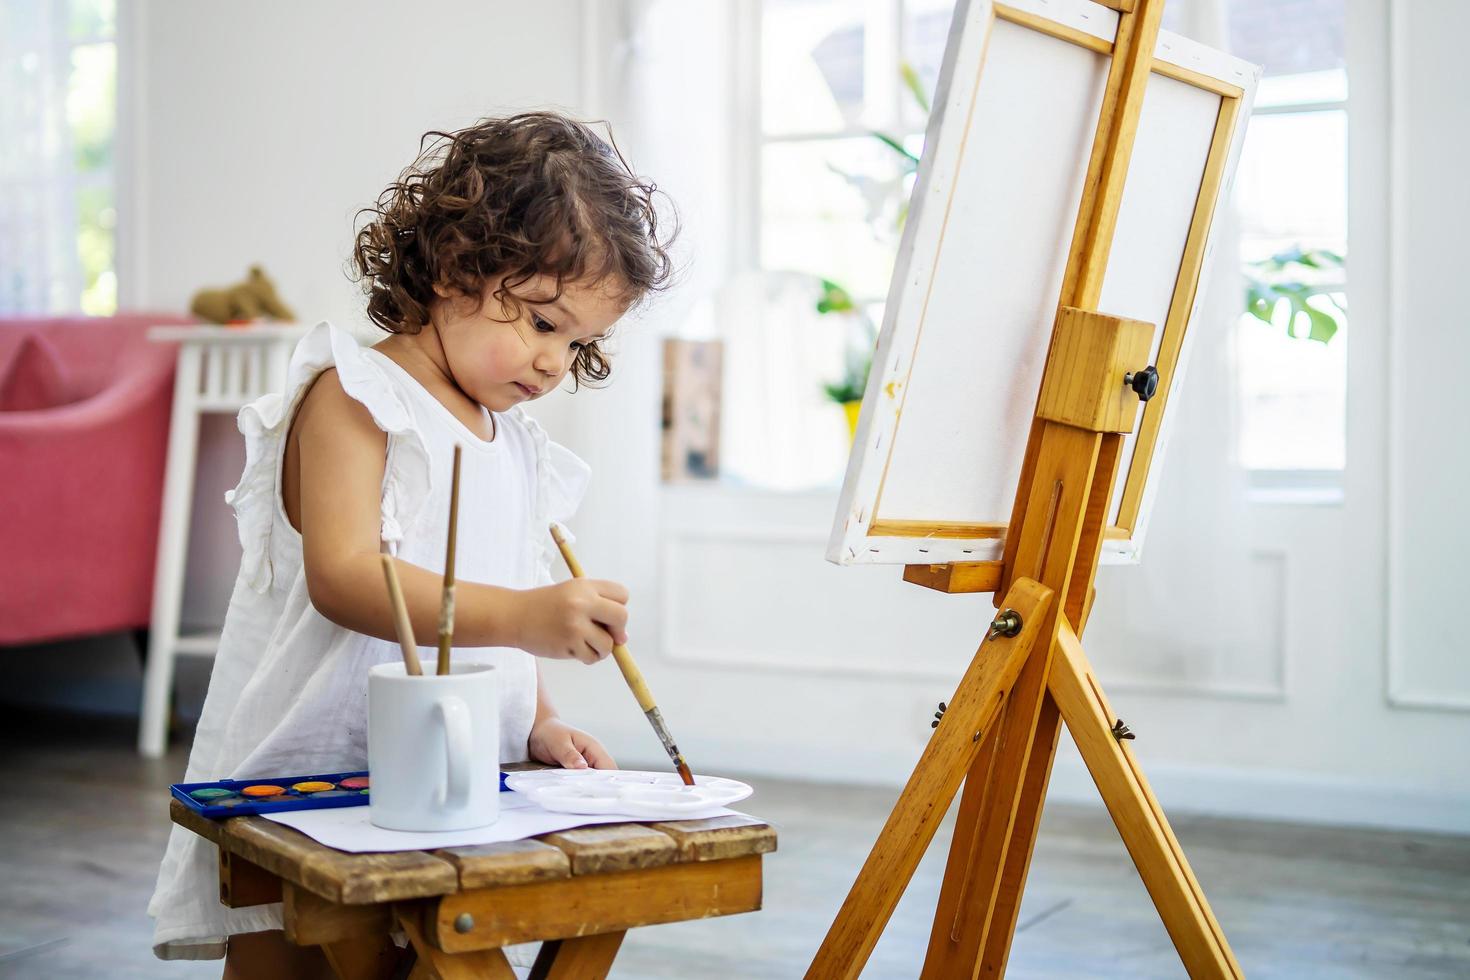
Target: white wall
pixel 259 130
pixel 1429 453
pixel 1249 652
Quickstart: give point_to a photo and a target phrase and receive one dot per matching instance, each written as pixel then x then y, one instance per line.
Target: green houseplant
pixel 848 390
pixel 1294 277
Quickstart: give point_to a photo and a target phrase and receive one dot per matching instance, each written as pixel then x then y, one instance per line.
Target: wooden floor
pixel 82 826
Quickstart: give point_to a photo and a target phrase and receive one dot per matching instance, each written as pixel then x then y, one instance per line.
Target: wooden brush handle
pixel 634 677
pixel 446 604
pixel 573 566
pixel 621 653
pixel 400 619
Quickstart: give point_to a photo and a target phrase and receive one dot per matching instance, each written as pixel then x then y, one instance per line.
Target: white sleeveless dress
pixel 288 692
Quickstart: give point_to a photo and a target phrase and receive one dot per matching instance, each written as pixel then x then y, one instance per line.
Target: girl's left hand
pixel 556 743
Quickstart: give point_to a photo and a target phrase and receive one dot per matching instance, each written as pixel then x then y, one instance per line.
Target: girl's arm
pixel 337 454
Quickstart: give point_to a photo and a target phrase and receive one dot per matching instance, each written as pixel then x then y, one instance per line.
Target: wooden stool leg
pixel 1140 820
pixel 930 788
pixel 435 964
pixel 583 958
pixel 363 958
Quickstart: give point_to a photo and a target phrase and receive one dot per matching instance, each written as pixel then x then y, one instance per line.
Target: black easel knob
pixel 1145 382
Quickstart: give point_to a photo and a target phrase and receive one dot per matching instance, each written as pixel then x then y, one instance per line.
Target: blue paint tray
pixel 227 797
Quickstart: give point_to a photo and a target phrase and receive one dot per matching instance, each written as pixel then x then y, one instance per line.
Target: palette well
pixel 277 794
pixel 634 793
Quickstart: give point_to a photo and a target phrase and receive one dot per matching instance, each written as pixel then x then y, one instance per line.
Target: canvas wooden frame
pixel 867 532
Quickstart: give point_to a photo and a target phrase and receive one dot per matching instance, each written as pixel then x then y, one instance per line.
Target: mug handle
pixel 455 716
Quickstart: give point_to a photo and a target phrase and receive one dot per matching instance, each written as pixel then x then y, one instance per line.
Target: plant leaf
pixel 1293 255
pixel 896 145
pixel 1323 325
pixel 915 86
pixel 834 298
pixel 1259 300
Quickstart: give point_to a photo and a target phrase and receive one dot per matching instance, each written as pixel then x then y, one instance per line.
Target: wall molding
pixel 1182 790
pixel 1397 692
pixel 1275 692
pixel 683 650
pixel 1275 795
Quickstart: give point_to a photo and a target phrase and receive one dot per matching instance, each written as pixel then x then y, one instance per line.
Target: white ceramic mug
pixel 434 748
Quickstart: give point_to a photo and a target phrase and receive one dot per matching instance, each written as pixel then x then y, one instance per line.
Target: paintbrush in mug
pixel 446 605
pixel 631 674
pixel 400 619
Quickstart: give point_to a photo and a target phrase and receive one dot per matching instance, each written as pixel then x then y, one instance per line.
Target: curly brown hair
pixel 502 201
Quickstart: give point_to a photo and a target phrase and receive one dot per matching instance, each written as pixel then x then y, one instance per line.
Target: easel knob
pixel 1145 382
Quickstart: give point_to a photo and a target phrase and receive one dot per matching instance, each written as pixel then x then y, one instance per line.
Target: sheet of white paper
pixel 348 828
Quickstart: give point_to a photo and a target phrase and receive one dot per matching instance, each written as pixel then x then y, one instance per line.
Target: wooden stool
pixel 576 890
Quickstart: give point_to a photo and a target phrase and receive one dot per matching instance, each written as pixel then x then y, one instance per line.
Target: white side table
pixel 220 369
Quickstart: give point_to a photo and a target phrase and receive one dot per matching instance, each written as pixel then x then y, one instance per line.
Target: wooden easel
pixel 999 732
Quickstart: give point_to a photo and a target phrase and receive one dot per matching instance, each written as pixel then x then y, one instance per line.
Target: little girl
pixel 497 264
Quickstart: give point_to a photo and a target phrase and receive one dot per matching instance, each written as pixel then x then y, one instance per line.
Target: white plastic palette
pixel 638 794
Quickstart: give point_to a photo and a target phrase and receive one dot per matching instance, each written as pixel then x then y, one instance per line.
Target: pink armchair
pixel 84 415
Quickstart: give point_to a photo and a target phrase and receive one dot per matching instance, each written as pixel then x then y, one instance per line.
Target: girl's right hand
pixel 580 619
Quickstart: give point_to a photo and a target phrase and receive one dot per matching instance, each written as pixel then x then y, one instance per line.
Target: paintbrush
pixel 631 674
pixel 400 619
pixel 446 605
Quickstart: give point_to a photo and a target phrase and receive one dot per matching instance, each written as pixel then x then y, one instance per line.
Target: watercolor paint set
pixel 238 797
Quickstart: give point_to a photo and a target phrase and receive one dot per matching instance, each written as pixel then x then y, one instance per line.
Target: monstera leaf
pixel 1294 277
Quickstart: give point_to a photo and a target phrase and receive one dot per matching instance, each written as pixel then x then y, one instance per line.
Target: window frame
pixel 63 277
pixel 752 139
pixel 1308 486
pixel 106 177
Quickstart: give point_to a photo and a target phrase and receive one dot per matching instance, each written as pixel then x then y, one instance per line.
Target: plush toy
pixel 249 300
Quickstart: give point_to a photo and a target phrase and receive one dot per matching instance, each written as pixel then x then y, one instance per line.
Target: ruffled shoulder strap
pixel 561 483
pixel 266 421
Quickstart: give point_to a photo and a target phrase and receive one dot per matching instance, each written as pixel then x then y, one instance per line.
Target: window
pixel 831 200
pixel 1291 200
pixel 58 69
pixel 832 195
pixel 832 74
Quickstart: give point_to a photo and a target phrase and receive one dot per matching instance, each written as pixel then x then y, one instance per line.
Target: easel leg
pixel 1140 820
pixel 1007 906
pixel 1000 930
pixel 951 920
pixel 583 958
pixel 1004 825
pixel 930 789
pixel 1003 831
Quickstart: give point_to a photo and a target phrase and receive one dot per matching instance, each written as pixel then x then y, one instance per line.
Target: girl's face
pixel 499 363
